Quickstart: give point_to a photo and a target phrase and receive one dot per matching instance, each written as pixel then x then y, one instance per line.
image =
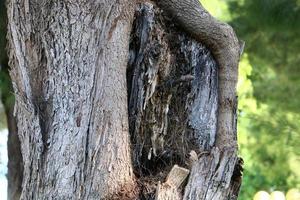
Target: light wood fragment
pixel 170 190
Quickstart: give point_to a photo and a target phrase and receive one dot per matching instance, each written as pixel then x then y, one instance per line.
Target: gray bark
pixel 174 111
pixel 69 62
pixel 15 164
pixel 173 97
pixel 224 44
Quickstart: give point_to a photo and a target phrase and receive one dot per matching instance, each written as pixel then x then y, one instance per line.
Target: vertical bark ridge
pixel 211 176
pixel 175 105
pixel 222 41
pixel 173 92
pixel 68 62
pixel 225 47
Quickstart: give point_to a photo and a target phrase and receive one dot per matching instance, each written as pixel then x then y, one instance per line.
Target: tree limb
pixel 222 41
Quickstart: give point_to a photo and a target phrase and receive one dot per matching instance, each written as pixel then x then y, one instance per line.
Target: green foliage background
pixel 268 89
pixel 6 95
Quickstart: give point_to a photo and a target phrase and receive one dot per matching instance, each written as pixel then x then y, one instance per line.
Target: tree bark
pixel 15 163
pixel 174 110
pixel 69 63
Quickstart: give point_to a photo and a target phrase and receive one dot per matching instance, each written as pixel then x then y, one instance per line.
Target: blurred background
pixel 268 90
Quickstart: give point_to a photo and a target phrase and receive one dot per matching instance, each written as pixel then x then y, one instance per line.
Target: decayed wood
pixel 174 86
pixel 172 83
pixel 170 189
pixel 68 61
pixel 177 176
pixel 223 43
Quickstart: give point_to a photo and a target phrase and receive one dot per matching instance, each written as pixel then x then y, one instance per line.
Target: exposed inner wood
pixel 71 103
pixel 223 43
pixel 171 188
pixel 172 83
pixel 174 97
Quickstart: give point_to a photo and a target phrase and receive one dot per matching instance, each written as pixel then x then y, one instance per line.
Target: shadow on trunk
pixel 173 108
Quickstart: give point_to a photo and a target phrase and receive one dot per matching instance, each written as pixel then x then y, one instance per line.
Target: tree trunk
pixel 69 71
pixel 15 164
pixel 69 64
pixel 173 111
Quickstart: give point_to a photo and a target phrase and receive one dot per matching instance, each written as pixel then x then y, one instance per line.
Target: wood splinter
pixel 170 190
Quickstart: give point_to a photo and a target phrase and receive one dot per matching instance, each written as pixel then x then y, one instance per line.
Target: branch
pixel 222 41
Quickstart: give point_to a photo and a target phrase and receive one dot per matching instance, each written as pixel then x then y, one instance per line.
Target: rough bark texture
pixel 68 62
pixel 173 109
pixel 173 93
pixel 224 45
pixel 173 106
pixel 15 164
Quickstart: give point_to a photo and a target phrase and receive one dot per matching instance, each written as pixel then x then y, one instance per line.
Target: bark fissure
pixel 177 98
pixel 69 63
pixel 224 44
pixel 183 80
pixel 64 62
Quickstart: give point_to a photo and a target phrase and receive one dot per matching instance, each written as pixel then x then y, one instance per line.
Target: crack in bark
pixel 172 105
pixel 224 44
pixel 221 40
